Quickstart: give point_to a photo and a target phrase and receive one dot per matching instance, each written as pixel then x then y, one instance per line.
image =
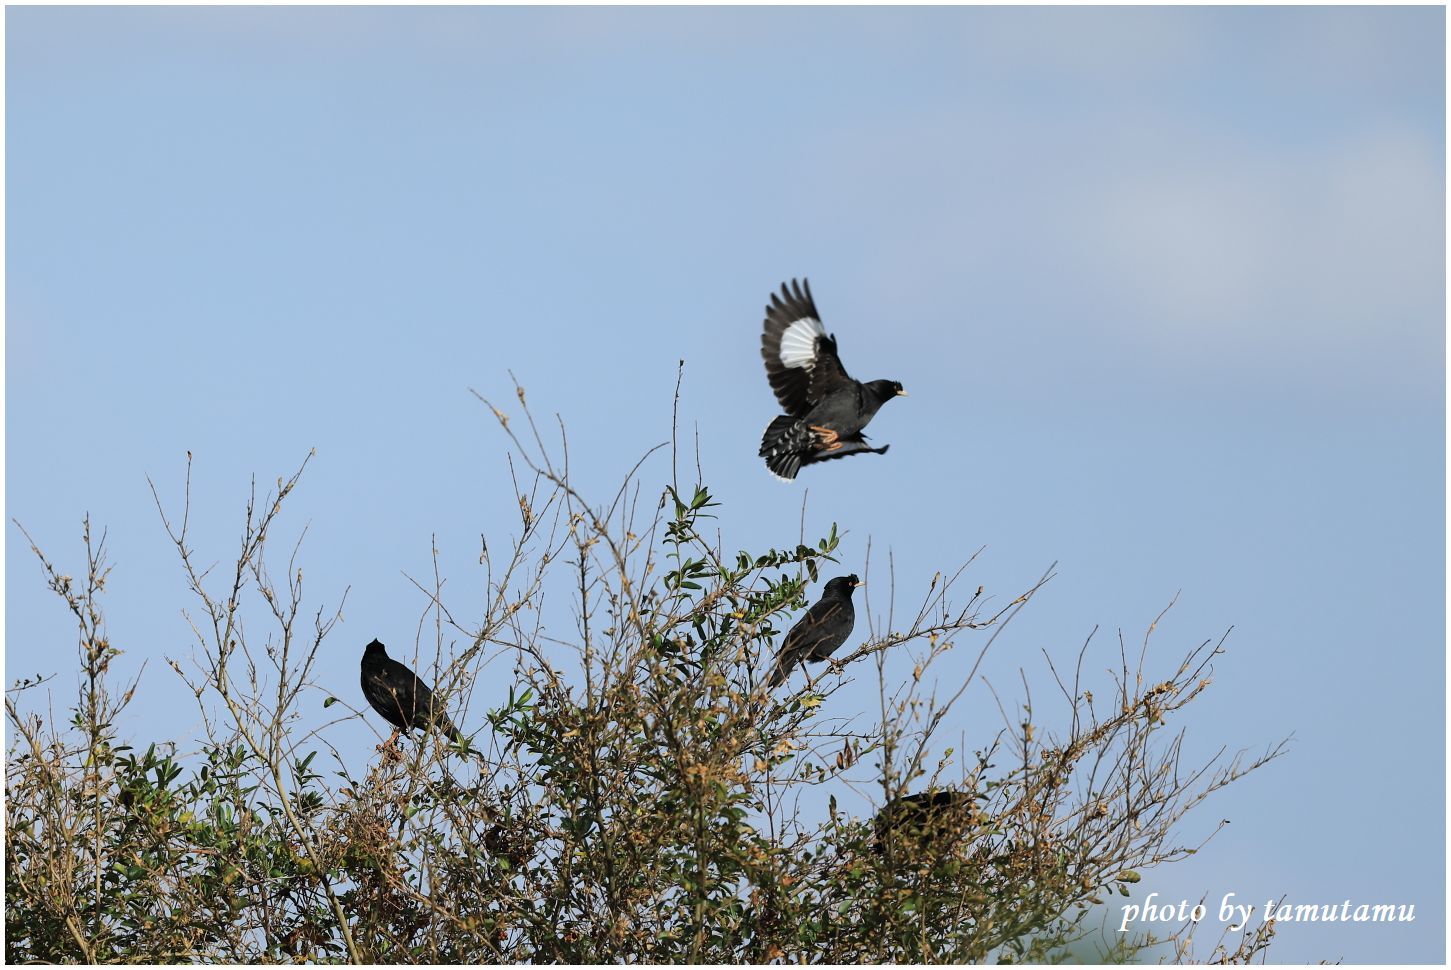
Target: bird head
pixel 375 649
pixel 886 390
pixel 843 585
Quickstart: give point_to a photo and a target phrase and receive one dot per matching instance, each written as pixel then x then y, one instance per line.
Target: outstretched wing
pixel 800 356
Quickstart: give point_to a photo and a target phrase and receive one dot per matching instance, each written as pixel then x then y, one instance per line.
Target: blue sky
pixel 1165 286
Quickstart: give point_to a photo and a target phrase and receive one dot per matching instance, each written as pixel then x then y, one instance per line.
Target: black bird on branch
pixel 917 821
pixel 823 628
pixel 826 409
pixel 400 697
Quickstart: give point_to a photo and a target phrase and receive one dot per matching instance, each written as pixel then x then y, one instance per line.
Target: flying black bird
pixel 826 409
pixel 823 628
pixel 399 696
pixel 920 819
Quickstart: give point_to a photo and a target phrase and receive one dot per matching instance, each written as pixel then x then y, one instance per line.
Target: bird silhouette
pixel 826 409
pixel 823 628
pixel 397 694
pixel 918 820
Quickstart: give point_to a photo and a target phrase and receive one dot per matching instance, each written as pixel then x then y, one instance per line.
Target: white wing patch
pixel 798 343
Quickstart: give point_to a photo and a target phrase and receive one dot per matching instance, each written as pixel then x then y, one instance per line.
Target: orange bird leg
pixel 830 440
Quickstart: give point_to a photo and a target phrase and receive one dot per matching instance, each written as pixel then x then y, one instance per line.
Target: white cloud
pixel 1342 243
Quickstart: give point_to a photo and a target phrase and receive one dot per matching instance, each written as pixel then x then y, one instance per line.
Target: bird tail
pixel 442 723
pixel 784 444
pixel 780 672
pixel 784 467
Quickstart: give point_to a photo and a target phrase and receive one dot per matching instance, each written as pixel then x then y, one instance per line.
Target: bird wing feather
pixel 801 360
pixel 818 626
pixel 809 639
pixel 432 710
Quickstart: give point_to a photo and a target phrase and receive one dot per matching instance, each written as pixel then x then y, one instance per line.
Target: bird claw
pixel 830 440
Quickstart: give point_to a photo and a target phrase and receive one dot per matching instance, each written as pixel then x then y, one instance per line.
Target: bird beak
pixel 901 393
pixel 858 583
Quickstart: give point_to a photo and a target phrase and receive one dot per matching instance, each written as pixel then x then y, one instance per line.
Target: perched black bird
pixel 919 820
pixel 826 409
pixel 399 696
pixel 818 633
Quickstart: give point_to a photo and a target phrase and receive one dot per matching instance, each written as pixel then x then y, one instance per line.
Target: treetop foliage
pixel 638 795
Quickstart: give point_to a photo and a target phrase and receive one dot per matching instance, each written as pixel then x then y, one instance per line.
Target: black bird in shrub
pixel 818 633
pixel 400 697
pixel 826 409
pixel 917 821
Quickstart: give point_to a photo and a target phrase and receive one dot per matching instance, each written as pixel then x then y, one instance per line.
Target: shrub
pixel 639 796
